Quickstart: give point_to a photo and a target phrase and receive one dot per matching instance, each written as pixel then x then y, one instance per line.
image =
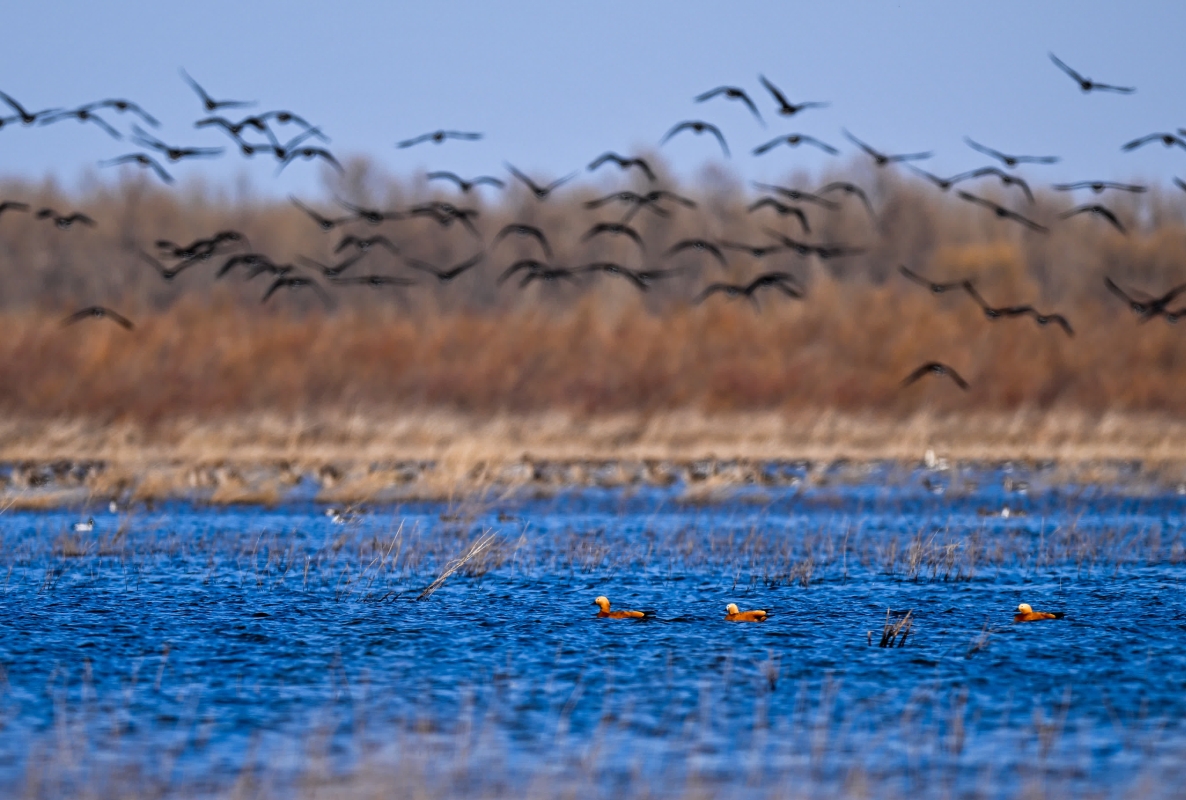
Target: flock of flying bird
pixel 260 134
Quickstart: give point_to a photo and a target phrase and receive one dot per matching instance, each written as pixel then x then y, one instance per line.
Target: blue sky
pixel 553 84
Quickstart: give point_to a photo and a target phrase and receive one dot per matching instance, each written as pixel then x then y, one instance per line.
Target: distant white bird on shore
pixel 341 516
pixel 85 527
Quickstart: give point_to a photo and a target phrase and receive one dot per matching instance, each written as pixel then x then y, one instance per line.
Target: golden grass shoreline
pixel 359 457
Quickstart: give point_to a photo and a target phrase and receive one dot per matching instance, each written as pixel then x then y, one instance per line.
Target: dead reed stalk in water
pixel 480 545
pixel 898 625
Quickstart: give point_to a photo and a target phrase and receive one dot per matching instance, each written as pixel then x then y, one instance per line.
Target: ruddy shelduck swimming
pixel 732 614
pixel 1026 613
pixel 603 603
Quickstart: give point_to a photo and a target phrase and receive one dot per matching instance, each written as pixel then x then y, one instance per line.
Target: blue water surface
pixel 176 649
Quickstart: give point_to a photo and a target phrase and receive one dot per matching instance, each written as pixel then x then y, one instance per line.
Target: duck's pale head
pixel 603 602
pixel 731 608
pixel 1025 608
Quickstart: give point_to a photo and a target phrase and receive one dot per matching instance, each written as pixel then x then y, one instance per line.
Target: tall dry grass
pixel 206 348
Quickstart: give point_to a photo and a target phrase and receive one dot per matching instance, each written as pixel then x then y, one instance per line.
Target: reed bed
pixel 206 349
pixel 410 560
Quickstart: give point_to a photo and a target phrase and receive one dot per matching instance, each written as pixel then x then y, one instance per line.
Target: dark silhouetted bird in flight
pixel 120 105
pixel 1151 306
pixel 794 140
pixel 540 192
pixel 615 229
pixel 282 151
pixel 785 107
pixel 253 261
pixel 519 229
pixel 548 275
pixel 935 368
pixel 822 251
pixel 463 184
pixel 26 117
pixel 529 264
pixel 308 153
pixel 624 163
pixel 827 251
pixel 1167 139
pixel 1003 212
pixel 637 202
pixel 1005 178
pixel 782 209
pixel 208 102
pixel 374 281
pixel 1096 210
pixel 292 282
pixel 233 128
pixel 1087 84
pixel 372 216
pixel 943 183
pixel 798 195
pixel 852 190
pixel 1010 161
pixel 701 245
pixel 881 159
pixel 1000 312
pixel 248 149
pixel 99 312
pixel 437 137
pixel 783 282
pixel 935 287
pixel 634 200
pixel 536 270
pixel 325 223
pixel 173 153
pixel 13 205
pixel 364 243
pixel 166 273
pixel 445 214
pixel 1098 187
pixel 640 278
pixel 755 250
pixel 140 160
pixel 697 127
pixel 65 221
pixel 82 114
pixel 335 270
pixel 445 275
pixel 731 93
pixel 200 249
pixel 285 118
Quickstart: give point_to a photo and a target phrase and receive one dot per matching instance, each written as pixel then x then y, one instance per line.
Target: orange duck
pixel 1026 613
pixel 732 614
pixel 603 603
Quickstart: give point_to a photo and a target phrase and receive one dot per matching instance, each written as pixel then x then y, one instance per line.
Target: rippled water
pixel 186 649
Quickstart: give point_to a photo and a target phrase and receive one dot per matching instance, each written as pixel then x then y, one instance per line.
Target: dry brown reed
pixel 206 349
pixel 898 625
pixel 475 549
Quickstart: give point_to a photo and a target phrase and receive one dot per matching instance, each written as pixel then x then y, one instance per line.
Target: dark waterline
pixel 230 638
